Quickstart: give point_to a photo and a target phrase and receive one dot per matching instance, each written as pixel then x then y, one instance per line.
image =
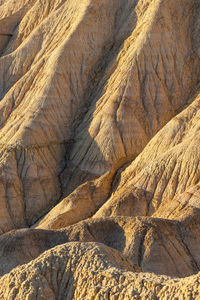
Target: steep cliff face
pixel 99 124
pixel 83 89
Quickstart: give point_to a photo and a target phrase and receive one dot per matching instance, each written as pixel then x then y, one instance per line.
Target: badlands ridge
pixel 99 149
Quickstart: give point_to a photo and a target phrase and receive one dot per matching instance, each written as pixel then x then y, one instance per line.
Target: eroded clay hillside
pixel 99 149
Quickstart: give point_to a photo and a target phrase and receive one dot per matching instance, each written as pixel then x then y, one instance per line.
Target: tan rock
pixel 167 171
pixel 45 72
pixel 152 245
pixel 88 271
pixel 99 123
pixel 80 94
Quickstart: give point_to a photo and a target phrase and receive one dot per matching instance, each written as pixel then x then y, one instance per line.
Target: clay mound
pixel 89 270
pixel 148 243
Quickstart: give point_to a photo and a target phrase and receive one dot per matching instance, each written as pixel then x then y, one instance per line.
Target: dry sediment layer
pixel 91 271
pixel 99 121
pixel 152 245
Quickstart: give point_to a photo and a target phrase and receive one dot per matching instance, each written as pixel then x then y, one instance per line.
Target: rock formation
pixel 99 149
pixel 89 271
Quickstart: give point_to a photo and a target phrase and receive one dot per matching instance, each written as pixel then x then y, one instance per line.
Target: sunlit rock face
pixel 99 149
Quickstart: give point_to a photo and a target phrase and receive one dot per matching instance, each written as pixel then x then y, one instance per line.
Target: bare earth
pixel 99 149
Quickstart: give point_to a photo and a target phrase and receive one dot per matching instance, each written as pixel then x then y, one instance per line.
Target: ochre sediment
pixel 99 149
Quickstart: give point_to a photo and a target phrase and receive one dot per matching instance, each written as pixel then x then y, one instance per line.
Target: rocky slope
pixel 99 149
pixel 91 271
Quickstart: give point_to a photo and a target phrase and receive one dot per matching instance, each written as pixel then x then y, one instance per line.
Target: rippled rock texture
pixel 99 149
